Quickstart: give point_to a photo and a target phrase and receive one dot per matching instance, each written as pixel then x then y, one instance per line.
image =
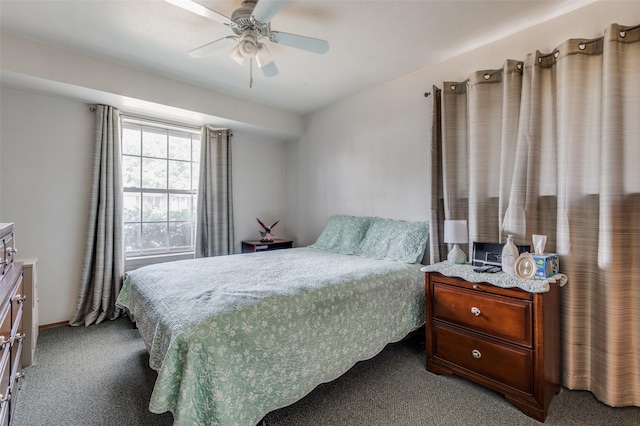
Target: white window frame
pixel 145 256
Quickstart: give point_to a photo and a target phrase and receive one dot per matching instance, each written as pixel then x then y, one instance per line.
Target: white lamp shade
pixel 263 57
pixel 246 48
pixel 455 231
pixel 236 55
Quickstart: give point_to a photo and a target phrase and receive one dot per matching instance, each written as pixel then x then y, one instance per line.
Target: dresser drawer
pixel 17 307
pixel 5 333
pixel 8 251
pixel 5 374
pixel 7 248
pixel 3 258
pixel 5 366
pixel 501 362
pixel 498 316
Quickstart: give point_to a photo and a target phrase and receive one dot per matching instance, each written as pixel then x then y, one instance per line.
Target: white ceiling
pixel 371 41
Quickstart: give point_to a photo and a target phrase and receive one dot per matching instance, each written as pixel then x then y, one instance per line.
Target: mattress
pixel 235 337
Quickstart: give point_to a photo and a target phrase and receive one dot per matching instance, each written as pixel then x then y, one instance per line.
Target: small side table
pixel 484 328
pixel 252 246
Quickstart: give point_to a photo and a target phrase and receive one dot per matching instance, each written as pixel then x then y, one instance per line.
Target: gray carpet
pixel 99 375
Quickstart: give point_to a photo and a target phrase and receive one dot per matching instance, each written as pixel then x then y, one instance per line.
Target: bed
pixel 235 337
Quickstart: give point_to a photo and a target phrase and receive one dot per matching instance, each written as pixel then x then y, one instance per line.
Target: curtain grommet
pixel 582 46
pixel 623 34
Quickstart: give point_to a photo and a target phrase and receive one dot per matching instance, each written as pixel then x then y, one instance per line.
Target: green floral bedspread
pixel 235 337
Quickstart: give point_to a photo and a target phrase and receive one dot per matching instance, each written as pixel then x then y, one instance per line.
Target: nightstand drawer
pixel 501 362
pixel 498 316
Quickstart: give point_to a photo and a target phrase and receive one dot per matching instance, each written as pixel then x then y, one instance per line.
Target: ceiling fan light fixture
pixel 236 55
pixel 248 47
pixel 245 49
pixel 263 56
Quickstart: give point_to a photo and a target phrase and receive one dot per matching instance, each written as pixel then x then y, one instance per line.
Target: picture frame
pixel 485 254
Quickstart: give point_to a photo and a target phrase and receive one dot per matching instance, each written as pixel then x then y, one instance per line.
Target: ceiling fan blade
pixel 265 10
pixel 197 8
pixel 270 70
pixel 300 42
pixel 209 48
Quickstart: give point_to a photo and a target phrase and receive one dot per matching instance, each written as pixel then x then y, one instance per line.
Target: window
pixel 160 181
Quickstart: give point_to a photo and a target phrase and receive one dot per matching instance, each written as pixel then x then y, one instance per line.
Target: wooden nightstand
pixel 251 246
pixel 506 339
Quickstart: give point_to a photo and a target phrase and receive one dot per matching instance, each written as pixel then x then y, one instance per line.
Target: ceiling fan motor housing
pixel 243 21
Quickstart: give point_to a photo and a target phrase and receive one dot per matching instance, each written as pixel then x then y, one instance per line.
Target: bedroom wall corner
pixel 258 186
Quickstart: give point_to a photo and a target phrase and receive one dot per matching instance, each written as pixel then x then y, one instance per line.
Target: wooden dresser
pixel 11 334
pixel 506 339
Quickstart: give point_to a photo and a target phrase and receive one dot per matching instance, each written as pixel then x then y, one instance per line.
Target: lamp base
pixel 456 255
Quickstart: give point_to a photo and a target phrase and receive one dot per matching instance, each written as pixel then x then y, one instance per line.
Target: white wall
pixel 369 154
pixel 258 186
pixel 365 156
pixel 47 148
pixel 46 169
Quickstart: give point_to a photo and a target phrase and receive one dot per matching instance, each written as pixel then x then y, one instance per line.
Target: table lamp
pixel 455 232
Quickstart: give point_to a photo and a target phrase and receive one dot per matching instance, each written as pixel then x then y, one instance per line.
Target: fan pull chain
pixel 251 73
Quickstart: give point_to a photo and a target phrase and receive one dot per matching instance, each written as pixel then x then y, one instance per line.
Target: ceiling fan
pixel 251 23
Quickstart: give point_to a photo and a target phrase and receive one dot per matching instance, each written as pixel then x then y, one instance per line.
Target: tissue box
pixel 547 265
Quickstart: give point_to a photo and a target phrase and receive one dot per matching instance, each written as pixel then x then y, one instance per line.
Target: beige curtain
pixel 437 248
pixel 103 267
pixel 551 145
pixel 214 231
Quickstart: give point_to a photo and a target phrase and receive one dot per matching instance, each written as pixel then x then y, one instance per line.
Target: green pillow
pixel 342 234
pixel 395 240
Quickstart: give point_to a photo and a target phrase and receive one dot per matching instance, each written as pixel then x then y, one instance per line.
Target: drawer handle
pixel 476 312
pixel 19 298
pixel 4 342
pixel 476 354
pixel 5 398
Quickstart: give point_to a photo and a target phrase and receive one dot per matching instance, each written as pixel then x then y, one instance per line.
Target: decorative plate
pixel 525 266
